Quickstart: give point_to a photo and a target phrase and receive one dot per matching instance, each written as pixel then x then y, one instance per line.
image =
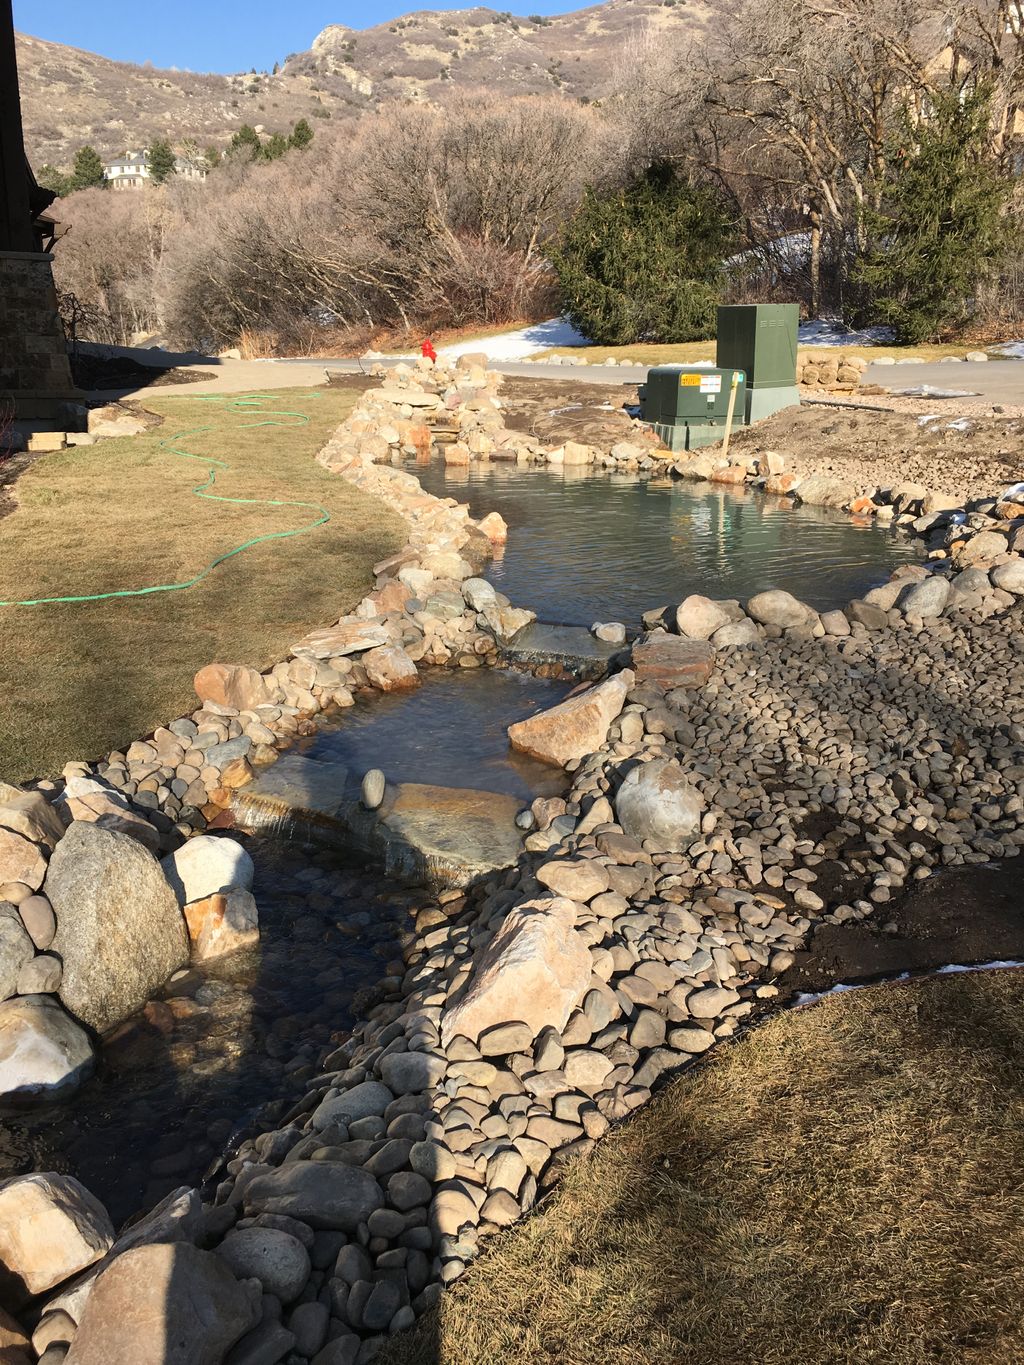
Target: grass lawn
pixel 686 352
pixel 77 680
pixel 844 1184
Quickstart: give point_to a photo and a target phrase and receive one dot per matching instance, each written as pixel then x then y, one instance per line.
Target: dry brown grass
pixel 845 1184
pixel 78 680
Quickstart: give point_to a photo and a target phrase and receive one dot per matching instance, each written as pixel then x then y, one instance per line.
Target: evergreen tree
pixel 645 263
pixel 161 161
pixel 301 134
pixel 246 142
pixel 275 146
pixel 941 223
pixel 52 179
pixel 277 68
pixel 212 157
pixel 87 172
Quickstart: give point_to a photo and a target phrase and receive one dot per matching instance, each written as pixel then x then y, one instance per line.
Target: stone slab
pixel 437 836
pixel 672 661
pixel 573 647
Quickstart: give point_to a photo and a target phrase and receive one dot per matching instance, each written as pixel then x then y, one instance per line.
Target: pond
pixel 607 547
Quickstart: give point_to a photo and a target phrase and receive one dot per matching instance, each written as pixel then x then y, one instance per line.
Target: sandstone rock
pixel 50 1228
pixel 348 637
pixel 699 617
pixel 30 815
pixel 534 970
pixel 324 1194
pixel 277 1259
pixel 120 932
pixel 43 1053
pixel 657 801
pixel 37 916
pixel 206 865
pixel 778 608
pixel 234 685
pixel 21 860
pixel 578 879
pixel 91 801
pixel 671 661
pixel 575 727
pixel 160 1304
pixel 222 924
pixel 494 528
pixel 390 669
pixel 980 549
pixel 14 1342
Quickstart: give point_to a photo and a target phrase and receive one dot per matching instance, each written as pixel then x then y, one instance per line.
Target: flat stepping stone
pixel 672 661
pixel 433 836
pixel 572 647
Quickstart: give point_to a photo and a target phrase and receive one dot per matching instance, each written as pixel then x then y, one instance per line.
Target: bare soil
pixel 874 448
pixel 555 410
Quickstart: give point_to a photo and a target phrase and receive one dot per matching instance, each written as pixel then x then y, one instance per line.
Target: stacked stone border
pixel 759 768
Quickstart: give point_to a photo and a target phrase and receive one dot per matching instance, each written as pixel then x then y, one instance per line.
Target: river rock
pixel 926 599
pixel 16 950
pixel 373 788
pixel 579 879
pixel 160 1304
pixel 657 801
pixel 820 491
pixel 324 1194
pixel 533 971
pixel 1008 576
pixel 699 617
pixel 671 661
pixel 50 1228
pixel 578 726
pixel 44 1054
pixel 406 1073
pixel 31 815
pixel 37 916
pixel 494 527
pixel 611 632
pixel 479 594
pixel 390 669
pixel 234 685
pixel 222 924
pixel 120 932
pixel 735 633
pixel 21 860
pixel 277 1259
pixel 40 975
pixel 778 608
pixel 358 1102
pixel 206 865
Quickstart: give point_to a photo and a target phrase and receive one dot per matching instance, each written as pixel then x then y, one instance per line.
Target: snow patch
pixel 539 336
pixel 1012 350
pixel 831 332
pixel 951 969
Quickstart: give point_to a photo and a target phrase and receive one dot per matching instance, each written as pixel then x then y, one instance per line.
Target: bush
pixel 645 263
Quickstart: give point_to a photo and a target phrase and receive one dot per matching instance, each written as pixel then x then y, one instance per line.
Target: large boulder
pixel 821 491
pixel 533 971
pixel 324 1194
pixel 390 669
pixel 206 865
pixel 575 727
pixel 277 1259
pixel 926 599
pixel 699 617
pixel 120 931
pixel 657 802
pixel 50 1227
pixel 1009 577
pixel 97 803
pixel 44 1054
pixel 170 1304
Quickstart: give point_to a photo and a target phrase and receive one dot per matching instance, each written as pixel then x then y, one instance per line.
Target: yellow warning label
pixel 689 381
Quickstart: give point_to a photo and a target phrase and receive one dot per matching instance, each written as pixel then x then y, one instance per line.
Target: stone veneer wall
pixel 34 368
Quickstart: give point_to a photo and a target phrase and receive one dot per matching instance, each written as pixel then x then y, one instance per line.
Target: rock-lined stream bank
pixel 760 768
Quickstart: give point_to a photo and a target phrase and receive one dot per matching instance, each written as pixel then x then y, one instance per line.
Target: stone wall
pixel 34 369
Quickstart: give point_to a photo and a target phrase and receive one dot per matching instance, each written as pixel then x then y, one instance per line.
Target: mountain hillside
pixel 71 97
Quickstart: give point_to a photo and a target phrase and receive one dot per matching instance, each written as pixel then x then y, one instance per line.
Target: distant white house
pixel 131 171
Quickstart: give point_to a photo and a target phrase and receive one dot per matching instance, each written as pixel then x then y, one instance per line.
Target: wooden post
pixel 732 409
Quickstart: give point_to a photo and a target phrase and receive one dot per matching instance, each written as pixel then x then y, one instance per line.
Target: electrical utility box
pixel 760 339
pixel 688 405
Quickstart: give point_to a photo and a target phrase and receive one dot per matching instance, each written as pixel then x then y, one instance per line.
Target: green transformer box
pixel 687 405
pixel 760 339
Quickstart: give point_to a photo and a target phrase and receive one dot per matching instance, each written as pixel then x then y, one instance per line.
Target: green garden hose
pixel 250 402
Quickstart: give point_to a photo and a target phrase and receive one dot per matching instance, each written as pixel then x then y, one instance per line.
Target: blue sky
pixel 219 35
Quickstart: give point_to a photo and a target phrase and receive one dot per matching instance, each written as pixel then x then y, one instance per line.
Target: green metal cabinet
pixel 688 405
pixel 761 340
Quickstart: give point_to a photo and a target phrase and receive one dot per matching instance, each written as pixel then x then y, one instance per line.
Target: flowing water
pixel 607 547
pixel 226 1046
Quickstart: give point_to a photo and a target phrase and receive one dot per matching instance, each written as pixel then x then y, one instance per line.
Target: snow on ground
pixel 1012 350
pixel 540 336
pixel 831 332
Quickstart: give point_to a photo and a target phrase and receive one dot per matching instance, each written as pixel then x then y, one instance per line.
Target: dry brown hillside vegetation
pixel 71 97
